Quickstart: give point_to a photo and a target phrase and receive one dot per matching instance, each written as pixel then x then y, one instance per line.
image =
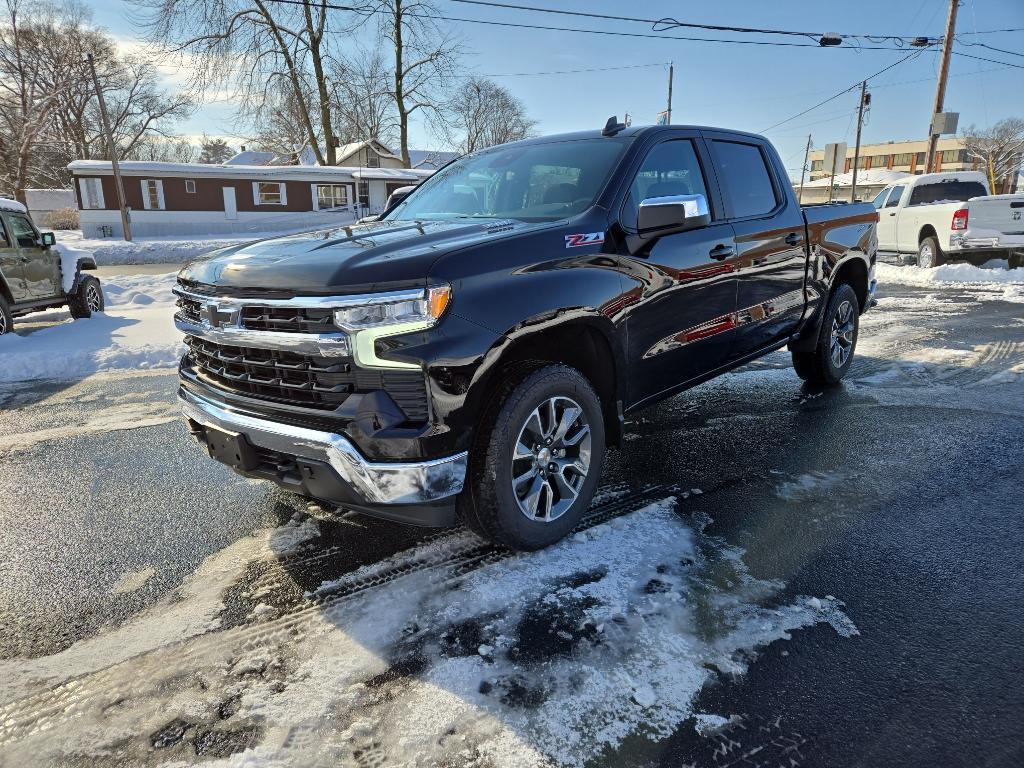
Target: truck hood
pixel 350 259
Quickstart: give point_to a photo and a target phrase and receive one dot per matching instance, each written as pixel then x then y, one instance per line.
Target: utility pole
pixel 803 171
pixel 118 184
pixel 940 88
pixel 856 148
pixel 669 115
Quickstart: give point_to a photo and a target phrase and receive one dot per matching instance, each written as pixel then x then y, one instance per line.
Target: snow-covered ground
pixel 156 250
pixel 135 332
pixel 991 276
pixel 523 660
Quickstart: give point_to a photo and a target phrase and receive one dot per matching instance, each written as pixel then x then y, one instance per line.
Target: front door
pixel 230 206
pixel 685 291
pixel 888 217
pixel 771 256
pixel 11 266
pixel 41 265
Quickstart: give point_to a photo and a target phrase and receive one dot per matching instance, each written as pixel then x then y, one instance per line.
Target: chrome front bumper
pixel 377 482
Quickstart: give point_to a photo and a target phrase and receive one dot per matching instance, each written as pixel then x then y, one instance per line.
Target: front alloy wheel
pixel 551 459
pixel 93 299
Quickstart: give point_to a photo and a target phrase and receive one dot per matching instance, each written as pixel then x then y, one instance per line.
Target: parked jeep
pixel 32 272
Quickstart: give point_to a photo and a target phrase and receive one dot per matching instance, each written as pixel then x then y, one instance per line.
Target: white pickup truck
pixel 949 216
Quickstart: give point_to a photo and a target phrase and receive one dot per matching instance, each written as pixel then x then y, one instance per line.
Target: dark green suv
pixel 34 276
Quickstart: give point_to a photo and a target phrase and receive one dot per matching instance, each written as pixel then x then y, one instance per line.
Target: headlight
pixel 419 308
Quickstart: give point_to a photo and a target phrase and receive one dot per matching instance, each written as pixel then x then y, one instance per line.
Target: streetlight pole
pixel 118 184
pixel 803 171
pixel 940 87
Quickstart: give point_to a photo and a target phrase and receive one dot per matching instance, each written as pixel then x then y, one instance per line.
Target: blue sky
pixel 748 87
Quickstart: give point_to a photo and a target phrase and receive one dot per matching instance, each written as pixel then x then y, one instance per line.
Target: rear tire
pixel 929 254
pixel 537 460
pixel 833 351
pixel 6 318
pixel 88 298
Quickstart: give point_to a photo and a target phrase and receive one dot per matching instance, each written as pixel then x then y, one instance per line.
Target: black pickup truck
pixel 471 355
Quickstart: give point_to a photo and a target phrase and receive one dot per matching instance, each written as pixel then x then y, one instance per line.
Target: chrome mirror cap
pixel 659 216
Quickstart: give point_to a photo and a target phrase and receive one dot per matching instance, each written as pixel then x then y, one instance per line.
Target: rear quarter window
pixel 746 180
pixel 946 192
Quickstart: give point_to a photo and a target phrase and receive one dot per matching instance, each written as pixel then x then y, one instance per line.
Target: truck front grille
pixel 323 383
pixel 259 318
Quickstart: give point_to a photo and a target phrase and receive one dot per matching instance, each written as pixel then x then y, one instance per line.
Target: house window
pixel 92 193
pixel 190 186
pixel 902 159
pixel 364 194
pixel 816 165
pixel 331 196
pixel 372 159
pixel 951 156
pixel 152 194
pixel 269 193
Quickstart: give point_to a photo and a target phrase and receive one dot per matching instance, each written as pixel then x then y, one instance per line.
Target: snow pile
pixel 157 250
pixel 993 277
pixel 135 332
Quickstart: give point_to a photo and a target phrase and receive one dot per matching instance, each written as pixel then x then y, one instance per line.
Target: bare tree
pixel 424 62
pixel 999 150
pixel 487 114
pixel 164 150
pixel 254 46
pixel 31 81
pixel 364 103
pixel 282 126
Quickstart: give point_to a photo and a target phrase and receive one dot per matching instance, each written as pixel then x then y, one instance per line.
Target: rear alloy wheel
pixel 88 299
pixel 929 254
pixel 833 351
pixel 6 319
pixel 536 458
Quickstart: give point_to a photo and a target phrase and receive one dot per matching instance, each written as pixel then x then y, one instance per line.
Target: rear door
pixel 41 265
pixel 771 260
pixel 11 266
pixel 685 293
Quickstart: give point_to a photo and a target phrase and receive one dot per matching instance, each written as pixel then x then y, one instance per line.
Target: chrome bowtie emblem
pixel 212 316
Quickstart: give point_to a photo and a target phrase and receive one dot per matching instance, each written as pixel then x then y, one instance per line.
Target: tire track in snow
pixel 70 699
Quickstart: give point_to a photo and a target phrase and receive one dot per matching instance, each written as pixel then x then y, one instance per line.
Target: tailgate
pixel 996 215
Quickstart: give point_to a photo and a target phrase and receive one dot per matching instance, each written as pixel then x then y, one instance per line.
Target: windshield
pixel 531 182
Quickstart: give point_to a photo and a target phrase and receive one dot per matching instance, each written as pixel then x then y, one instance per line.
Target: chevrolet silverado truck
pixel 33 276
pixel 472 355
pixel 950 216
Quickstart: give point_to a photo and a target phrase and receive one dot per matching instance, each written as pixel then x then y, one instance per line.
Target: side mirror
pixel 47 239
pixel 397 196
pixel 659 216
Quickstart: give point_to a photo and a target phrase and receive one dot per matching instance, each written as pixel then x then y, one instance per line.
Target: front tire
pixel 537 461
pixel 88 298
pixel 833 351
pixel 929 254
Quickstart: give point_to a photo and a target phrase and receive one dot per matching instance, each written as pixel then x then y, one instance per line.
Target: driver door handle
pixel 721 252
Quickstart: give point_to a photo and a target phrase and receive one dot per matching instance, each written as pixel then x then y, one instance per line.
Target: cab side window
pixel 5 241
pixel 23 231
pixel 895 196
pixel 879 200
pixel 746 180
pixel 671 168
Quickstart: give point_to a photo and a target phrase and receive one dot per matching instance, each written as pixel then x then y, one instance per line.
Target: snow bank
pixel 136 332
pixel 992 280
pixel 157 250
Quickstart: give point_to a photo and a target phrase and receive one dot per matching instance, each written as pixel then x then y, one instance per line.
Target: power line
pixel 990 47
pixel 909 56
pixel 669 22
pixel 990 61
pixel 604 32
pixel 575 71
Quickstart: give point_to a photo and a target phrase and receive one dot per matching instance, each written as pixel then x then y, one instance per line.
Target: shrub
pixel 62 218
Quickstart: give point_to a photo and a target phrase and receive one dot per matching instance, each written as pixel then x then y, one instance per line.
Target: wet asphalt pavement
pixel 898 493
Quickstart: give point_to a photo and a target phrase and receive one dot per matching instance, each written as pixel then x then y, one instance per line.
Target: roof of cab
pixel 629 132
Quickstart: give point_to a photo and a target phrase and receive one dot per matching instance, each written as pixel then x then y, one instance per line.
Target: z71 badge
pixel 584 238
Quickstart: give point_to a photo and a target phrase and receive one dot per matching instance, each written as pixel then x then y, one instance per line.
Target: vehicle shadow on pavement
pixel 43 359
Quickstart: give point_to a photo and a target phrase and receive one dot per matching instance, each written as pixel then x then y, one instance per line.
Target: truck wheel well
pixel 584 348
pixel 854 274
pixel 927 231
